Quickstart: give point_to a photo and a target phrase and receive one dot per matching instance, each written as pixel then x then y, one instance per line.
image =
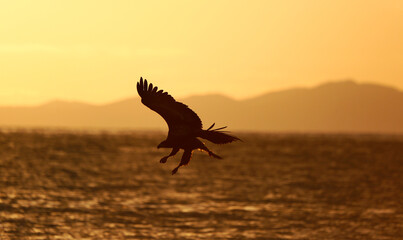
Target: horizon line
pixel 77 101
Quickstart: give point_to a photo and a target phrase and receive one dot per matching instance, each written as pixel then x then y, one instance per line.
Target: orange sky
pixel 94 51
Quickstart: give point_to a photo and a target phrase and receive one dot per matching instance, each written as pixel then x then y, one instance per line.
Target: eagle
pixel 185 127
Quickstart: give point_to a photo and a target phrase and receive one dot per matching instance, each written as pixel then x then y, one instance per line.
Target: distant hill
pixel 332 107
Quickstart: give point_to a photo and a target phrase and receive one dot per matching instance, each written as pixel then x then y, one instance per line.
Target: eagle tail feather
pixel 216 136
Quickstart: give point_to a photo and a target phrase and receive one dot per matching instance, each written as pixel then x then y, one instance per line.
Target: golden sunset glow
pixel 95 51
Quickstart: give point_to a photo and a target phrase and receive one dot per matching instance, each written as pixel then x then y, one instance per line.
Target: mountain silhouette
pixel 344 106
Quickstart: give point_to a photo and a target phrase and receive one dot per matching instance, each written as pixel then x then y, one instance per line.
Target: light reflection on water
pixel 111 186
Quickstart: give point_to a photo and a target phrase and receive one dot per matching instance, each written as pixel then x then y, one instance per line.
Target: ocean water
pixel 78 185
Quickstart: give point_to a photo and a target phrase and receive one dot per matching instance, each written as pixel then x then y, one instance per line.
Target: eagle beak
pixel 163 144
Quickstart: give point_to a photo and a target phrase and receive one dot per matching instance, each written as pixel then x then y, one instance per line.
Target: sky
pixel 95 50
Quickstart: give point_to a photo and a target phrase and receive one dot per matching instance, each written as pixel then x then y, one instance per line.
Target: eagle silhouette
pixel 184 125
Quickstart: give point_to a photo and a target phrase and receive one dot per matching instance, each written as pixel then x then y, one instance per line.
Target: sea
pixel 77 184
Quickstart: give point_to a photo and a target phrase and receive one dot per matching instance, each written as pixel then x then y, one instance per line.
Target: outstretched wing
pixel 174 113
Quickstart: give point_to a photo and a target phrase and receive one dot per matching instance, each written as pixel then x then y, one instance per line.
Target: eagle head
pixel 163 144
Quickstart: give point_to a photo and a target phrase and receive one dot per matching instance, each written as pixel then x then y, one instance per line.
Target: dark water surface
pixel 70 185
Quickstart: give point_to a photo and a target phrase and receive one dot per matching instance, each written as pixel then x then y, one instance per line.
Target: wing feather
pixel 155 89
pixel 175 113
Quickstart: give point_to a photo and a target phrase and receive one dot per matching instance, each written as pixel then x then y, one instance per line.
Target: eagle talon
pixel 175 170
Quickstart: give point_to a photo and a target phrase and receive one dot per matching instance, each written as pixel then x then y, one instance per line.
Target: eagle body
pixel 182 142
pixel 185 127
